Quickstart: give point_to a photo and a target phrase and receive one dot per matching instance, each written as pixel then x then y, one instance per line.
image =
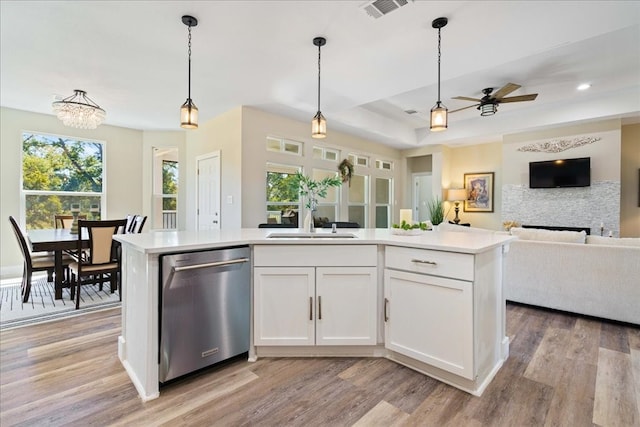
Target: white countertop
pixel 181 241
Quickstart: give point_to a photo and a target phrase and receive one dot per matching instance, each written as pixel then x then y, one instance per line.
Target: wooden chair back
pixel 101 243
pixel 22 242
pixel 65 221
pixel 138 223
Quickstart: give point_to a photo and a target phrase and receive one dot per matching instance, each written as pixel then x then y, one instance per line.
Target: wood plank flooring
pixel 563 370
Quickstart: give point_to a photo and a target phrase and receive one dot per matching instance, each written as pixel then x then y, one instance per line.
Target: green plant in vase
pixel 436 211
pixel 311 190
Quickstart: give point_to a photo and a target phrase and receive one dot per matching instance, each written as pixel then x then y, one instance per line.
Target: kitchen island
pixel 432 302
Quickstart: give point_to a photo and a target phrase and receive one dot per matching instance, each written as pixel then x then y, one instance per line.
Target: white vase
pixel 307 221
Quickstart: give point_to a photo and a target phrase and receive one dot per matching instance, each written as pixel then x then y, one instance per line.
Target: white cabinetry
pixel 443 309
pixel 322 295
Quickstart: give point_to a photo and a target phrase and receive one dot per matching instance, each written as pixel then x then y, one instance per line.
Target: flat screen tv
pixel 560 173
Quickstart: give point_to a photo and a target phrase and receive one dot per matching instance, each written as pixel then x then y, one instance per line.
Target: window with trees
pixel 58 171
pixel 283 200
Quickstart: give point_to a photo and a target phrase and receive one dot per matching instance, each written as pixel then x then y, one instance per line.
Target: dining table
pixel 56 240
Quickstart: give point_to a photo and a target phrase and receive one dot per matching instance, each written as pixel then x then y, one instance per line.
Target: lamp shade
pixel 319 126
pixel 456 194
pixel 438 118
pixel 189 115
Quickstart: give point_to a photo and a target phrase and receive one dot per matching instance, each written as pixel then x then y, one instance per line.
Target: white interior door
pixel 422 195
pixel 208 203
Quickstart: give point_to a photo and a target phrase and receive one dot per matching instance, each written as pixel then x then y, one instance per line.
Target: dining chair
pixel 102 257
pixel 138 223
pixel 65 221
pixel 34 262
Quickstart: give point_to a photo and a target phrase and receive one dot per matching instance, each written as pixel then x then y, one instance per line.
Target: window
pixel 58 171
pixel 384 165
pixel 327 208
pixel 359 160
pixel 283 200
pixel 358 199
pixel 281 145
pixel 383 202
pixel 325 153
pixel 165 188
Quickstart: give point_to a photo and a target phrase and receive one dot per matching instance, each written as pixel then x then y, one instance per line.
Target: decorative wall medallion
pixel 558 145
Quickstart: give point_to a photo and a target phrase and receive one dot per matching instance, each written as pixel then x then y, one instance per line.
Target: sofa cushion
pixel 549 235
pixel 612 241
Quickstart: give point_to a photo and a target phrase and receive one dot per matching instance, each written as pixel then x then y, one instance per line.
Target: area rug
pixel 43 307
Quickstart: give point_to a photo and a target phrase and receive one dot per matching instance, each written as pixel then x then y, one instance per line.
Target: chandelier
pixel 79 111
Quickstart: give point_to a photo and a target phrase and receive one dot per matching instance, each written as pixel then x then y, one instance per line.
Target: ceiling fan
pixel 488 104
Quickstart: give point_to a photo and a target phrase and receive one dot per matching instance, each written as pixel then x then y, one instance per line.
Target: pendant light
pixel 439 111
pixel 319 123
pixel 189 111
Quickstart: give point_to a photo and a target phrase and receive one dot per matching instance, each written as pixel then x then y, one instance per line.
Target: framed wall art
pixel 479 187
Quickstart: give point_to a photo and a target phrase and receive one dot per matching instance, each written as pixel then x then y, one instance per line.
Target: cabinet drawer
pixel 315 255
pixel 437 263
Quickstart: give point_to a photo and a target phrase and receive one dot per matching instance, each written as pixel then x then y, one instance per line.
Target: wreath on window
pixel 346 170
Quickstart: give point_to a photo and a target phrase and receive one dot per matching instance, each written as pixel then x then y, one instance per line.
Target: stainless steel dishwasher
pixel 205 303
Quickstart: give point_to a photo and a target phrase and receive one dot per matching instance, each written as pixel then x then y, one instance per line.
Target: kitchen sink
pixel 319 235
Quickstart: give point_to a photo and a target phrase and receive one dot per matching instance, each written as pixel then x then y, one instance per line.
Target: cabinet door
pixel 284 306
pixel 430 319
pixel 346 305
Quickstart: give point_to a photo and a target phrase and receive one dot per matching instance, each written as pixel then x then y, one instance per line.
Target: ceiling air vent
pixel 378 8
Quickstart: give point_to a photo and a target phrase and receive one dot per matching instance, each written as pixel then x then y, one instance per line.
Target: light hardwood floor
pixel 563 370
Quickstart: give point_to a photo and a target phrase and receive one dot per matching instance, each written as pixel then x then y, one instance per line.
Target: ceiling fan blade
pixel 463 108
pixel 466 98
pixel 520 98
pixel 505 90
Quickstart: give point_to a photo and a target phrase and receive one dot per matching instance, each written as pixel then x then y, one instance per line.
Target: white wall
pixel 123 157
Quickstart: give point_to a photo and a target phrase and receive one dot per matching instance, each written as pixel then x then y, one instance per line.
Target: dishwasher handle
pixel 210 264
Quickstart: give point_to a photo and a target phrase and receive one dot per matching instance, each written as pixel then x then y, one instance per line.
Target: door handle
pixel 319 307
pixel 386 303
pixel 310 308
pixel 210 264
pixel 423 261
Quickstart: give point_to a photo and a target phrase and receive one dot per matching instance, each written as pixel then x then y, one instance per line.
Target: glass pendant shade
pixel 488 109
pixel 439 117
pixel 79 111
pixel 189 115
pixel 318 126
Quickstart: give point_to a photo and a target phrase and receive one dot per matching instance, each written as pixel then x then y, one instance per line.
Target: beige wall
pixel 475 159
pixel 222 134
pixel 257 125
pixel 629 191
pixel 123 157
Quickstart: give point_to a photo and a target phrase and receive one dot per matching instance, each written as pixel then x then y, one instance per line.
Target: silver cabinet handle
pixel 319 307
pixel 210 264
pixel 310 308
pixel 424 261
pixel 386 316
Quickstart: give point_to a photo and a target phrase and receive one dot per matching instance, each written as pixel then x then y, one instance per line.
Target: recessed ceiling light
pixel 584 86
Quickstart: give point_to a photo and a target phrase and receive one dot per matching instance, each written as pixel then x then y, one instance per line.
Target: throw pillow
pixel 549 235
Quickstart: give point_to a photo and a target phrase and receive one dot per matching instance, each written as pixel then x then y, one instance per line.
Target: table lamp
pixel 457 195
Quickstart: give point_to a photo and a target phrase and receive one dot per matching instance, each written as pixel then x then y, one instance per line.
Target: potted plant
pixel 310 190
pixel 436 211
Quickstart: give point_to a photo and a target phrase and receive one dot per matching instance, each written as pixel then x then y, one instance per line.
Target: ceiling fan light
pixel 189 115
pixel 488 109
pixel 439 117
pixel 318 126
